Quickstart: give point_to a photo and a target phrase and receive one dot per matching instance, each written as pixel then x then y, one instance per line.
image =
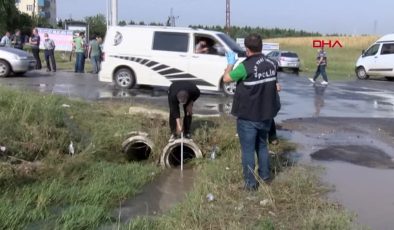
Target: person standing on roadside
pixel 78 44
pixel 17 40
pixel 321 61
pixel 6 40
pixel 94 54
pixel 256 103
pixel 184 93
pixel 35 47
pixel 49 46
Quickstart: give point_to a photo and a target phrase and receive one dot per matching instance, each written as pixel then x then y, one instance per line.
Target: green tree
pixel 8 16
pixel 97 24
pixel 60 24
pixel 122 23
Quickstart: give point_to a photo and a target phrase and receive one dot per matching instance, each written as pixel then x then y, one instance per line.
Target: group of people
pixel 92 51
pixel 83 50
pixel 17 41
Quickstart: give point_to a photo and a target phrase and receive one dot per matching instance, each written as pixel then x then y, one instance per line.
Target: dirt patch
pixel 359 155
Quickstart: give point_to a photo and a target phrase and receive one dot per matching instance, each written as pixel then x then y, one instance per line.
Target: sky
pixel 333 16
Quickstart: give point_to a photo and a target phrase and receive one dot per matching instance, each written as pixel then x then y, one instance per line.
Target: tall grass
pixel 341 61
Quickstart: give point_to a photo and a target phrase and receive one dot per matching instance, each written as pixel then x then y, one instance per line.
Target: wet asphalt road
pixel 338 121
pixel 300 98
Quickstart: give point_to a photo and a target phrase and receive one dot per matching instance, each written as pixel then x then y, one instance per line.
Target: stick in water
pixel 181 151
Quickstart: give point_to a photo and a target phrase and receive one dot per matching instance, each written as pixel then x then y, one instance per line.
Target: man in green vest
pixel 256 103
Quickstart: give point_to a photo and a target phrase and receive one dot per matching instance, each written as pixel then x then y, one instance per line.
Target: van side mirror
pixel 362 52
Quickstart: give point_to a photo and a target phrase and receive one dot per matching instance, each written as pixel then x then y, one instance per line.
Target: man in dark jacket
pixel 256 103
pixel 184 93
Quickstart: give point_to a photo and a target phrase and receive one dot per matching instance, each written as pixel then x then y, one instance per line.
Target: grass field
pixel 44 187
pixel 341 61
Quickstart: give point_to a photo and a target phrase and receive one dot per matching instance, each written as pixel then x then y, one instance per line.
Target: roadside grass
pixel 42 185
pixel 295 199
pixel 341 61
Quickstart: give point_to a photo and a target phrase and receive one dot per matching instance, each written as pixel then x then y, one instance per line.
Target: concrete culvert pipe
pixel 171 156
pixel 137 147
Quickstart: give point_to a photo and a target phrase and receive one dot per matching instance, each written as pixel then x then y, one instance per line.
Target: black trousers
pixel 36 54
pixel 50 60
pixel 187 122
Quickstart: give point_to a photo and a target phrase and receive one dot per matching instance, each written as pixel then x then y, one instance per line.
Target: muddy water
pixel 166 191
pixel 357 154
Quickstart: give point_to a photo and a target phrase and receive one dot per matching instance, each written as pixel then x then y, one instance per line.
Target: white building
pixel 43 8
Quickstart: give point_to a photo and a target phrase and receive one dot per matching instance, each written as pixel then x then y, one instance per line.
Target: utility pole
pixel 114 12
pixel 172 19
pixel 228 16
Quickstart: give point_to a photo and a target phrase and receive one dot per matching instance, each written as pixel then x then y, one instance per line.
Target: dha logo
pixel 324 44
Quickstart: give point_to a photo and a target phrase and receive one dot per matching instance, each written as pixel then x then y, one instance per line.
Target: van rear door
pixel 170 58
pixel 385 61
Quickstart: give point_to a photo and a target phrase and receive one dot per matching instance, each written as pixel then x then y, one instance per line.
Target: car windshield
pixel 232 44
pixel 289 54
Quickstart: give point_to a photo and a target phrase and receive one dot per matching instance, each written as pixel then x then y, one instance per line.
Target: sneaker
pixel 311 79
pixel 324 83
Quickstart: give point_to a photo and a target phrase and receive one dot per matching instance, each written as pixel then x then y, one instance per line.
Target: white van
pixel 378 60
pixel 158 56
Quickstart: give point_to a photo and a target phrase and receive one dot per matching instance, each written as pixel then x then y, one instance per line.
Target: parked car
pixel 378 60
pixel 285 59
pixel 16 61
pixel 158 56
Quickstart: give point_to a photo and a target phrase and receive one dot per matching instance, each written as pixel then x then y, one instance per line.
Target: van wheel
pixel 4 68
pixel 361 73
pixel 229 88
pixel 124 78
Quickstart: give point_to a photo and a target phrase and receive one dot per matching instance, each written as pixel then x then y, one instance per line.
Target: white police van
pixel 378 59
pixel 158 56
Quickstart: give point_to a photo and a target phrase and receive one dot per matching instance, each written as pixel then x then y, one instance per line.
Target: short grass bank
pixel 341 61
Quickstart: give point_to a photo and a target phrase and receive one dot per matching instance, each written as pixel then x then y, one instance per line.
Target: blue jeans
pixel 321 69
pixel 253 139
pixel 95 63
pixel 80 62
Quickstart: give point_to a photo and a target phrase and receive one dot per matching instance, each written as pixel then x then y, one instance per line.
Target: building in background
pixel 43 8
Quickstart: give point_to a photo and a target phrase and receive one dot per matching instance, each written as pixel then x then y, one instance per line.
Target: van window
pixel 168 41
pixel 232 44
pixel 387 49
pixel 373 50
pixel 208 45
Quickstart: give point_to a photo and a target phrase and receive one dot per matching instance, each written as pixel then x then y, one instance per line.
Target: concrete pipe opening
pixel 138 147
pixel 171 156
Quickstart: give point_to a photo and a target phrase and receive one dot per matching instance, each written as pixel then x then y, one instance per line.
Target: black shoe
pixel 188 135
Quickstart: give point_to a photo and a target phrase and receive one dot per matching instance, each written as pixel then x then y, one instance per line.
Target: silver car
pixel 15 61
pixel 286 59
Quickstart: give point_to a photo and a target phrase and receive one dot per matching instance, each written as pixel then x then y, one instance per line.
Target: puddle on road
pixel 355 154
pixel 162 194
pixel 357 157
